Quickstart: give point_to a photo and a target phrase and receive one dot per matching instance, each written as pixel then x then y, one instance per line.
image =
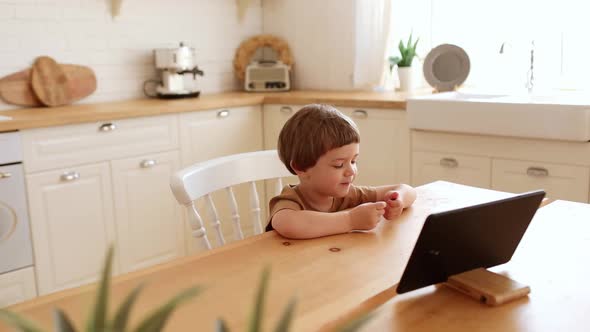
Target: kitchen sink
pixel 558 117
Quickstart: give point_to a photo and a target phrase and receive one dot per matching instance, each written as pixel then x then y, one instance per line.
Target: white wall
pixel 120 50
pixel 321 36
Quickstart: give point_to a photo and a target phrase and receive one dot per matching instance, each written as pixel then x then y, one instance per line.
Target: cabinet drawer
pixel 433 166
pixel 17 286
pixel 559 181
pixel 49 148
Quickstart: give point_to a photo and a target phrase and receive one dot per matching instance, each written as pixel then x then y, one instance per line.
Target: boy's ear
pixel 298 172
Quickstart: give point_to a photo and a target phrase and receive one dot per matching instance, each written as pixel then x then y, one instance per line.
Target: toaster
pixel 267 76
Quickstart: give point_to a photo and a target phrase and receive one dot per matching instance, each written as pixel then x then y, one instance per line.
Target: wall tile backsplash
pixel 119 50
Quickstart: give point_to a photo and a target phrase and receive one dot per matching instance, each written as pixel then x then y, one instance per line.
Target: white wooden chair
pixel 202 179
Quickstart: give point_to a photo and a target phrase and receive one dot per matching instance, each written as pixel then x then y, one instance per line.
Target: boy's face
pixel 334 172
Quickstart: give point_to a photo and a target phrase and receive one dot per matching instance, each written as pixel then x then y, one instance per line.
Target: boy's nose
pixel 350 170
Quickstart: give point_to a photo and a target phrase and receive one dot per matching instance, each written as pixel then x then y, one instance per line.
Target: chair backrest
pixel 201 179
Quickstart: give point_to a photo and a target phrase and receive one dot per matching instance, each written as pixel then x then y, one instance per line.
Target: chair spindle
pixel 214 218
pixel 198 231
pixel 255 208
pixel 235 215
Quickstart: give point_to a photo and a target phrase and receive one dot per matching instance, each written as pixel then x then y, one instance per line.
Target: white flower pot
pixel 406 78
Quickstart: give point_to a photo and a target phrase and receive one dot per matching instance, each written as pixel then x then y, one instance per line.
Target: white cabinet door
pixel 432 166
pixel 559 181
pixel 385 146
pixel 150 229
pixel 274 118
pixel 206 135
pixel 17 286
pixel 210 134
pixel 63 146
pixel 72 225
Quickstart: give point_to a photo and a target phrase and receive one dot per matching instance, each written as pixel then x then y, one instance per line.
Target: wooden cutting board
pixel 49 82
pixel 16 88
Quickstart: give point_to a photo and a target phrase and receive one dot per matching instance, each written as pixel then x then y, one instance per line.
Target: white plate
pixel 446 67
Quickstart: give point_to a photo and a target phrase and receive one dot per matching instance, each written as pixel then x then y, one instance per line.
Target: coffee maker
pixel 178 72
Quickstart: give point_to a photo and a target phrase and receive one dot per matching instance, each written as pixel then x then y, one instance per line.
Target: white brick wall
pixel 120 50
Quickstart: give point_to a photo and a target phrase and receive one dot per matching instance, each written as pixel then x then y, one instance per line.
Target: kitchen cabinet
pixel 385 146
pixel 147 217
pixel 434 166
pixel 72 224
pixel 510 164
pixel 215 133
pixel 64 146
pixel 84 195
pixel 17 286
pixel 559 181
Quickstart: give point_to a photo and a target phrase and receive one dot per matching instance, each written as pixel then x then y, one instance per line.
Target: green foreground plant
pixel 408 52
pixel 284 323
pixel 155 322
pixel 98 320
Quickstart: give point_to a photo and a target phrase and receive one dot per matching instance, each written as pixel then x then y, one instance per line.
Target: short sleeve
pixel 288 199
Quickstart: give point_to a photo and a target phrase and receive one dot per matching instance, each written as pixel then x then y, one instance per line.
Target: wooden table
pixel 337 275
pixel 553 259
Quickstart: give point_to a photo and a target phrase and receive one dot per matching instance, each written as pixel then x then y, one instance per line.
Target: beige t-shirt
pixel 292 199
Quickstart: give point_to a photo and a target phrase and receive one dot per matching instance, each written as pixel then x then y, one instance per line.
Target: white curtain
pixel 372 21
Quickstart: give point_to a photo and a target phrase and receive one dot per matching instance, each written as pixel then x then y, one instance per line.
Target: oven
pixel 16 250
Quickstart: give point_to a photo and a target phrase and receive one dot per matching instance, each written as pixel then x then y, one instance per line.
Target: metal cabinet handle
pixel 5 175
pixel 537 172
pixel 148 163
pixel 223 114
pixel 361 114
pixel 70 176
pixel 107 127
pixel 449 162
pixel 286 110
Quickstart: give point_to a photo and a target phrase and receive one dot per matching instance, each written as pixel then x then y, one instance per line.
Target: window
pixel 559 31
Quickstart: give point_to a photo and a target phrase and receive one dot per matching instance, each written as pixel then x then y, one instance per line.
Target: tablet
pixel 478 236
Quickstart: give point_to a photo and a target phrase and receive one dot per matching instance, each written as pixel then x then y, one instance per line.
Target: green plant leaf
pixel 21 323
pixel 407 52
pixel 256 316
pixel 61 322
pixel 155 322
pixel 393 60
pixel 122 315
pixel 285 321
pixel 356 324
pixel 98 320
pixel 402 48
pixel 221 326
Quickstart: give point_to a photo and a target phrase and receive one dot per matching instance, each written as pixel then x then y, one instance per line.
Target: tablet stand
pixel 487 287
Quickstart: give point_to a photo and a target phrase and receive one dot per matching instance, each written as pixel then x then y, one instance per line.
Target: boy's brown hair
pixel 311 132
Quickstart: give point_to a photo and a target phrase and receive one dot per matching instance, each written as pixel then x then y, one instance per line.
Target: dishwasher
pixel 16 251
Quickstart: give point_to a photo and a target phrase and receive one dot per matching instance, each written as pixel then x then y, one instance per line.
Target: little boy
pixel 321 146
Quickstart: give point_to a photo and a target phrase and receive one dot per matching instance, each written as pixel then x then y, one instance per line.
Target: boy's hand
pixel 366 216
pixel 394 205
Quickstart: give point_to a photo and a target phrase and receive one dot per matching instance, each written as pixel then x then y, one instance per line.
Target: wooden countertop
pixel 330 284
pixel 27 118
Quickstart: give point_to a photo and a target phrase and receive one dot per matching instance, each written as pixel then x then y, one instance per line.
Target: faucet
pixel 530 73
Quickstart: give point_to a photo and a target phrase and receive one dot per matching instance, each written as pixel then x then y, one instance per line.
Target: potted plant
pixel 404 63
